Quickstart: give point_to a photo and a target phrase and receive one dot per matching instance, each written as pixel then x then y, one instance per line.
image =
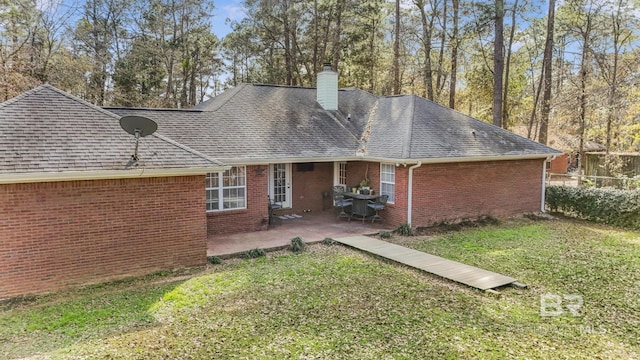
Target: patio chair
pixel 340 202
pixel 273 206
pixel 378 205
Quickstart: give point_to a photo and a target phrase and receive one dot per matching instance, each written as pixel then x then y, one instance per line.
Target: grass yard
pixel 333 302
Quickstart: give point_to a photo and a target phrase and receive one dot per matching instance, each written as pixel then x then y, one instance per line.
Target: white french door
pixel 280 184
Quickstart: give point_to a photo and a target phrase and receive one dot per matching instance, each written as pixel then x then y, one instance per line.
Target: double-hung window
pixel 388 181
pixel 227 190
pixel 340 173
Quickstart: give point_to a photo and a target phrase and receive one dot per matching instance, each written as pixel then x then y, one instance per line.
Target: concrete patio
pixel 310 227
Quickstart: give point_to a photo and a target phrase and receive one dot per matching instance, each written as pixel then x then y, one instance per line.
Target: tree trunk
pixel 505 97
pixel 613 89
pixel 454 55
pixel 316 61
pixel 338 32
pixel 443 39
pixel 396 52
pixel 498 63
pixel 583 112
pixel 427 27
pixel 584 60
pixel 192 79
pixel 534 109
pixel 288 61
pixel 547 64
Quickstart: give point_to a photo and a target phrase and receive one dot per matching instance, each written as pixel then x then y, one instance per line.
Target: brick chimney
pixel 327 88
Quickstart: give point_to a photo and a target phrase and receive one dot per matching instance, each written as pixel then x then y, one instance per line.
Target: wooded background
pixel 568 71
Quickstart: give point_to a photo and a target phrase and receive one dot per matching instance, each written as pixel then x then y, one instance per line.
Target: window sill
pixel 223 211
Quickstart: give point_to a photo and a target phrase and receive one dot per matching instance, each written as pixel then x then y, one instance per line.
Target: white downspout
pixel 410 191
pixel 544 181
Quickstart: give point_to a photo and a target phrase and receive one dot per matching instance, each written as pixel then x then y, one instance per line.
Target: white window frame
pixel 340 173
pixel 240 185
pixel 388 180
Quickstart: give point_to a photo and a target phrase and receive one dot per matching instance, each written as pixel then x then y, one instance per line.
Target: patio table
pixel 360 207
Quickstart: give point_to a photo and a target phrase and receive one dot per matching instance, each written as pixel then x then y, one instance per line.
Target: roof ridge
pixel 281 86
pixel 235 90
pixel 406 145
pixel 152 109
pixel 79 100
pixel 23 95
pixel 186 148
pixel 366 133
pixel 39 88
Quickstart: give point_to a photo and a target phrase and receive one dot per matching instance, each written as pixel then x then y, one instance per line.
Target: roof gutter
pixel 463 159
pixel 410 192
pixel 16 178
pixel 266 161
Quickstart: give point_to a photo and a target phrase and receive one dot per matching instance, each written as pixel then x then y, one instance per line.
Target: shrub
pixel 254 253
pixel 384 234
pixel 214 260
pixel 297 244
pixel 404 230
pixel 609 206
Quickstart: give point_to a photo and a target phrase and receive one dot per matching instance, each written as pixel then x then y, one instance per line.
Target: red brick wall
pixel 453 192
pixel 356 171
pixel 396 212
pixel 245 220
pixel 57 234
pixel 308 186
pixel 442 192
pixel 559 165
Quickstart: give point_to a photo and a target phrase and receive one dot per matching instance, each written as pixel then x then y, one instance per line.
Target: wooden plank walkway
pixel 452 270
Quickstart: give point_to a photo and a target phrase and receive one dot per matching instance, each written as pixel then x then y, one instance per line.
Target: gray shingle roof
pixel 263 122
pixel 411 127
pixel 258 123
pixel 46 130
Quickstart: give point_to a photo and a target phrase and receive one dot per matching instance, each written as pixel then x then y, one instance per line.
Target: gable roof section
pixel 47 134
pixel 263 123
pixel 413 128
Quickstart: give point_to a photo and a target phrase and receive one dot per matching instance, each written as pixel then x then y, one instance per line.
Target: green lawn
pixel 333 302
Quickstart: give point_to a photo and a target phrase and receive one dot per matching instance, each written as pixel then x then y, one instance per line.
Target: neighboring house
pixel 75 208
pixel 570 145
pixel 559 165
pixel 294 144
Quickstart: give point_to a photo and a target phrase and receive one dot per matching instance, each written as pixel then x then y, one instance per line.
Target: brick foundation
pixel 57 234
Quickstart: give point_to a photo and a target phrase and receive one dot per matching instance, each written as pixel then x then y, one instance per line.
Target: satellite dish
pixel 138 126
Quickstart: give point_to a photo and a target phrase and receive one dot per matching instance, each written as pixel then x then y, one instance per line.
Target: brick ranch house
pixel 294 144
pixel 74 212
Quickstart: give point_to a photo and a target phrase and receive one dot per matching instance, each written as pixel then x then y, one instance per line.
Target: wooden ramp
pixel 452 270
